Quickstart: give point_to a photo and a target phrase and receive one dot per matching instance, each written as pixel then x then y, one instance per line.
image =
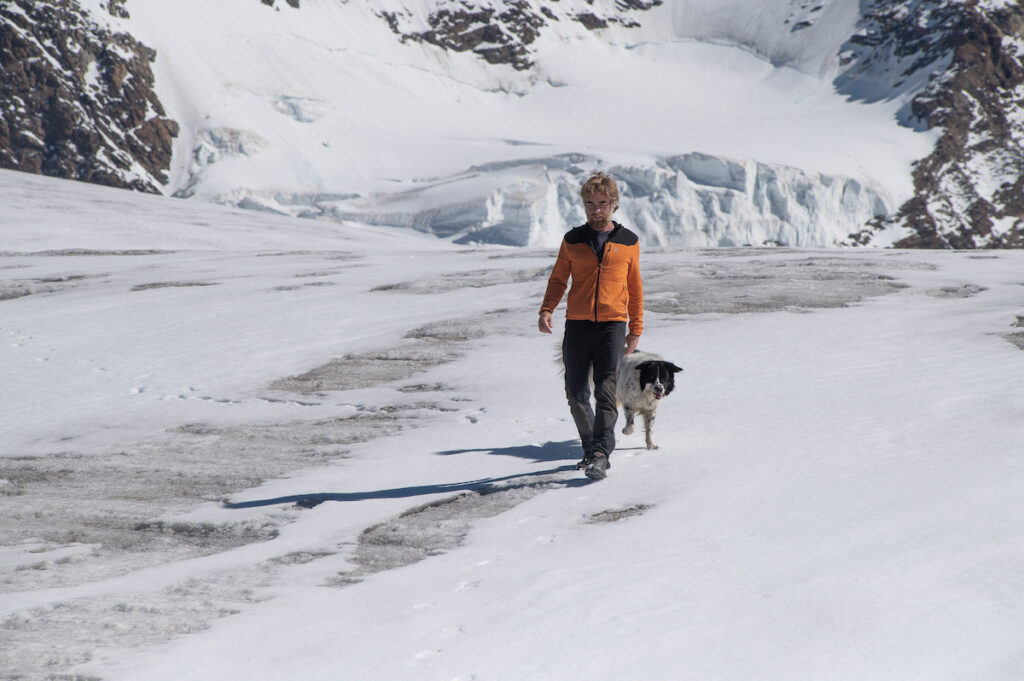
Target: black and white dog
pixel 644 380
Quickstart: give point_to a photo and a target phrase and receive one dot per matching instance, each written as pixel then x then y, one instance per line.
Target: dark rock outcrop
pixel 77 100
pixel 964 67
pixel 505 36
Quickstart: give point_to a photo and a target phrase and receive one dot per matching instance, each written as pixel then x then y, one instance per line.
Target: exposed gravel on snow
pixel 85 518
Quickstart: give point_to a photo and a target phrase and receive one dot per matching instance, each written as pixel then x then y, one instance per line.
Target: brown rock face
pixel 501 37
pixel 969 192
pixel 77 101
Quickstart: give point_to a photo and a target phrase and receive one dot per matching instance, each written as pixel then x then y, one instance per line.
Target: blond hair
pixel 600 183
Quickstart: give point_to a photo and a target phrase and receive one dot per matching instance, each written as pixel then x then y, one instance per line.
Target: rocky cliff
pixel 77 100
pixel 965 62
pixel 503 36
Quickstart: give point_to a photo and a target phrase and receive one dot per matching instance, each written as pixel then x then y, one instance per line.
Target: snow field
pixel 835 496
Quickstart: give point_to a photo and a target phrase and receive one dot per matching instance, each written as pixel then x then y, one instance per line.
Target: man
pixel 602 258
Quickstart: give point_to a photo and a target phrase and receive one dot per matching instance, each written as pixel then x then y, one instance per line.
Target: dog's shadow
pixel 548 452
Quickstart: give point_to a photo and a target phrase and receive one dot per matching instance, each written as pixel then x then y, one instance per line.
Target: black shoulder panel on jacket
pixel 578 235
pixel 624 236
pixel 582 235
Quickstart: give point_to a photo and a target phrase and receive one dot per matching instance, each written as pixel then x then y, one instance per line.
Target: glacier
pixel 692 200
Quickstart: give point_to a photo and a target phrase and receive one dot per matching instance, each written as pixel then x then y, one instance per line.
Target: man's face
pixel 599 209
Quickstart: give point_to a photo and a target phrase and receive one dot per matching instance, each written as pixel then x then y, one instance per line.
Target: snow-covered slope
pixel 475 120
pixel 335 109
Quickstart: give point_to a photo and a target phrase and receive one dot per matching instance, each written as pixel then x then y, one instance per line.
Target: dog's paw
pixel 651 445
pixel 627 429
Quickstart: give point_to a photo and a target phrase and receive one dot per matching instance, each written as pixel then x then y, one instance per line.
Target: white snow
pixel 837 494
pixel 336 104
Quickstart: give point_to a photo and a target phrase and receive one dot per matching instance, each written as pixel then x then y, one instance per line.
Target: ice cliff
pixel 691 199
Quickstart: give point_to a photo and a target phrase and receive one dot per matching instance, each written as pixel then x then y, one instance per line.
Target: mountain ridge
pixel 973 102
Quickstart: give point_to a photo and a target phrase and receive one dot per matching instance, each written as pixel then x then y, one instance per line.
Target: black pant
pixel 593 349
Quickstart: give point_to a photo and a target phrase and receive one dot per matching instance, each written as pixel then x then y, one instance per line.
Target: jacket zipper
pixel 600 264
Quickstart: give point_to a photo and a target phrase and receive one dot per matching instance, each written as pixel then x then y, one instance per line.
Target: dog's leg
pixel 649 429
pixel 628 428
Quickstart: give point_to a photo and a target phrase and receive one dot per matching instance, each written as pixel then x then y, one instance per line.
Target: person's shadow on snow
pixel 551 451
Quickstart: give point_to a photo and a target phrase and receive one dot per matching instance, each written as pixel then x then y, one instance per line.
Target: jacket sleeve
pixel 557 281
pixel 635 285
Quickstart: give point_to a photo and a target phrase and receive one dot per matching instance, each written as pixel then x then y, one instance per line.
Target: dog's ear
pixel 674 367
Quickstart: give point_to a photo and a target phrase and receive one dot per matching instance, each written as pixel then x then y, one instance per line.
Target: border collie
pixel 644 380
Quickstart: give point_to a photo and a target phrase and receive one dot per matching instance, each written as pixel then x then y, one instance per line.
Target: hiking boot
pixel 585 461
pixel 598 468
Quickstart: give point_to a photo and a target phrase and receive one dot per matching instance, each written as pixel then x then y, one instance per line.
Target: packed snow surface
pixel 247 446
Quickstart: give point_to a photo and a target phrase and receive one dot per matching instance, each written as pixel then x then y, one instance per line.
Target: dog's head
pixel 657 377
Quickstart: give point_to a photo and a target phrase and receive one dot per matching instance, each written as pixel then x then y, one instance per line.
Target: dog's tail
pixel 560 361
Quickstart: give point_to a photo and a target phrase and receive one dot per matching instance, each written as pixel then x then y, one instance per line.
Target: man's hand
pixel 544 322
pixel 632 341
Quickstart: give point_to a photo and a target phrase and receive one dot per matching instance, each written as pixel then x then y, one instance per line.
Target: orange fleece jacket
pixel 609 290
